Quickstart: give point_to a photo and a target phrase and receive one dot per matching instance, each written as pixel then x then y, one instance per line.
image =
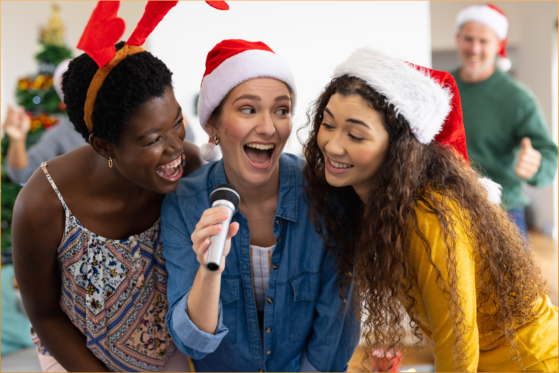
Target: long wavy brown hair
pixel 372 241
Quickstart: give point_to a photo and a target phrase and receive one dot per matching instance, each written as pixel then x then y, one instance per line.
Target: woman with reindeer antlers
pixel 87 253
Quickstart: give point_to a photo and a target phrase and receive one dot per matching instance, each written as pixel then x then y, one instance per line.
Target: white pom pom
pixel 210 152
pixel 493 190
pixel 504 64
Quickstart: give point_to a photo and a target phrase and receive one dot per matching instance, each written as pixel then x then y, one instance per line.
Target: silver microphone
pixel 226 196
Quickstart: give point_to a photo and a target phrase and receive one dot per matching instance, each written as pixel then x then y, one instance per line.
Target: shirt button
pixel 269 352
pixel 270 300
pixel 275 266
pixel 277 222
pixel 279 239
pixel 268 330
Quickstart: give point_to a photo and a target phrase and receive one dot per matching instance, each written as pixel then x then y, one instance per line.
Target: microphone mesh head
pixel 227 192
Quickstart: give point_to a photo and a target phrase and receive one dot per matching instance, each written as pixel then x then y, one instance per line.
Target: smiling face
pixel 353 141
pixel 477 46
pixel 253 126
pixel 149 152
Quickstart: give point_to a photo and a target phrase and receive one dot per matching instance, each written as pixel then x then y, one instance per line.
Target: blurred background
pixel 313 37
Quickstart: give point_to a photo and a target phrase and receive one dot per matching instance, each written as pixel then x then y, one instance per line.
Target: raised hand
pixel 529 160
pixel 17 123
pixel 207 227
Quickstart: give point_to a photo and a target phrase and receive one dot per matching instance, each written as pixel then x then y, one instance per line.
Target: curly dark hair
pixel 373 239
pixel 135 80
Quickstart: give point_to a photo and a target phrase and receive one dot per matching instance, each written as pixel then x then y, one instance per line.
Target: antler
pixel 154 13
pixel 102 32
pixel 221 5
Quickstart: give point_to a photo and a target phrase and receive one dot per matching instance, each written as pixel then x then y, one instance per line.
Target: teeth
pixel 475 58
pixel 260 146
pixel 163 176
pixel 173 164
pixel 340 165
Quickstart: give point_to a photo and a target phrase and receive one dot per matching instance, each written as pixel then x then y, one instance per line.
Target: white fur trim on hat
pixel 419 99
pixel 484 15
pixel 57 77
pixel 236 70
pixel 210 151
pixel 493 190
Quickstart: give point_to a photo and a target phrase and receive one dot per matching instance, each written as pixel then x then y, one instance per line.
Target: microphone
pixel 226 196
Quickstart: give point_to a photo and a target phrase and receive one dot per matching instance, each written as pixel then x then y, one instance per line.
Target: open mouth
pixel 171 171
pixel 259 154
pixel 337 167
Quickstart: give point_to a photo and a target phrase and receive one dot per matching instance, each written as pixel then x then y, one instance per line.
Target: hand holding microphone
pixel 212 237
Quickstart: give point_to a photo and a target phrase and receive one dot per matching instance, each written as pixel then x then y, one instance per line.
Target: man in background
pixel 506 132
pixel 59 139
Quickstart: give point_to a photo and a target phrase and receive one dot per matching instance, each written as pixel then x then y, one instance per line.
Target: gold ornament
pixel 53 33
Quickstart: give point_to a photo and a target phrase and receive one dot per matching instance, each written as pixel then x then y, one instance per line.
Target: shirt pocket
pixel 305 292
pixel 229 297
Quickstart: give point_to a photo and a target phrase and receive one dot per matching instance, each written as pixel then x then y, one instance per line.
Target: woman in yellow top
pixel 389 183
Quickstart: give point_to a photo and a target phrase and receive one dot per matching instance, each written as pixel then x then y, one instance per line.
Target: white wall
pixel 313 37
pixel 531 34
pixel 20 25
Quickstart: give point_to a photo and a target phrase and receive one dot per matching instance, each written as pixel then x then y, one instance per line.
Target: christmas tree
pixel 38 97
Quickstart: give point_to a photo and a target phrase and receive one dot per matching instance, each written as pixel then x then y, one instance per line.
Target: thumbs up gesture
pixel 529 159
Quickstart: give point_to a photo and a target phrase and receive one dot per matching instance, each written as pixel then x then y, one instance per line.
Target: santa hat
pixel 492 17
pixel 428 100
pixel 230 63
pixel 57 77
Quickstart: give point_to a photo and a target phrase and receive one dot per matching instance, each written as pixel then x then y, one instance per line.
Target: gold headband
pixel 100 77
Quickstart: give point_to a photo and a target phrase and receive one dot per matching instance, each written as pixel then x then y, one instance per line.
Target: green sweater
pixel 498 113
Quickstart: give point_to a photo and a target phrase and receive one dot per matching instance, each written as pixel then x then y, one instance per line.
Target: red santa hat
pixel 230 63
pixel 428 100
pixel 492 17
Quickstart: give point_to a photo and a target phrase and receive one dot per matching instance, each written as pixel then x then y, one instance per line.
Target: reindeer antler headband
pixel 104 29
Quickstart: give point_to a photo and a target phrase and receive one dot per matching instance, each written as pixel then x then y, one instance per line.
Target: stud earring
pixel 110 162
pixel 216 140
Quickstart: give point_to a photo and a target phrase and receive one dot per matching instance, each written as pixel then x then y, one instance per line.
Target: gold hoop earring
pixel 216 140
pixel 110 162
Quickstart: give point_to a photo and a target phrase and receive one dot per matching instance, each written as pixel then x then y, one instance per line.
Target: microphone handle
pixel 217 241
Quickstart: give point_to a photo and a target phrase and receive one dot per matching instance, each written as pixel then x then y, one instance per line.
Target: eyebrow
pixel 157 129
pixel 281 98
pixel 350 120
pixel 357 121
pixel 248 97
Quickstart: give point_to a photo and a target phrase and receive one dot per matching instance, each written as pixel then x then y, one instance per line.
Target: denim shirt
pixel 305 327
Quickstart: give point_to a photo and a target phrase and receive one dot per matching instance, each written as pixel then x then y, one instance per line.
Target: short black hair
pixel 134 81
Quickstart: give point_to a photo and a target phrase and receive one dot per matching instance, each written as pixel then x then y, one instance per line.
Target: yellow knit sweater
pixel 537 341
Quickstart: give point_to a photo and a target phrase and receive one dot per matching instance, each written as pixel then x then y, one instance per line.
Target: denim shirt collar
pixel 289 189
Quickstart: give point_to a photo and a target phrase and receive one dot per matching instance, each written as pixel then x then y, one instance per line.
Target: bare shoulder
pixel 192 157
pixel 37 211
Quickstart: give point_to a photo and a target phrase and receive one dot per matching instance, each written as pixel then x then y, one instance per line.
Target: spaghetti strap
pixel 44 167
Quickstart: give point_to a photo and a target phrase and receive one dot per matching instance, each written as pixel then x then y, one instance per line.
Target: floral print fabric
pixel 115 292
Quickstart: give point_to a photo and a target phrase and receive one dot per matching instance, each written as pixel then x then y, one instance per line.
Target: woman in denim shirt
pixel 274 304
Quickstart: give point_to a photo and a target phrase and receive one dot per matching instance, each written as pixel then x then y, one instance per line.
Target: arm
pixel 537 159
pixel 334 334
pixel 46 148
pixel 38 225
pixel 436 303
pixel 194 316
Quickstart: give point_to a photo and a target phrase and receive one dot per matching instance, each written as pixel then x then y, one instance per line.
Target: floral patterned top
pixel 115 293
